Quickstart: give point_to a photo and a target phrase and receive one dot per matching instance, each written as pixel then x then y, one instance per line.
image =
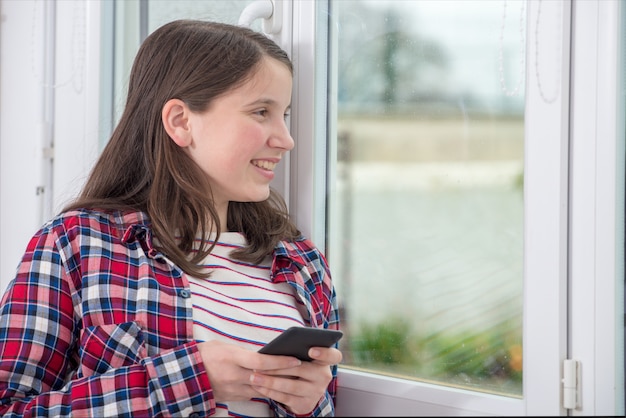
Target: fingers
pixel 299 388
pixel 268 362
pixel 239 374
pixel 320 355
pixel 327 356
pixel 299 395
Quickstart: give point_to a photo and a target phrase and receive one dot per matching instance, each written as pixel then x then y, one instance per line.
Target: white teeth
pixel 266 165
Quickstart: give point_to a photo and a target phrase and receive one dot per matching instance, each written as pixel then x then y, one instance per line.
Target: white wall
pixel 49 67
pixel 21 128
pixel 77 97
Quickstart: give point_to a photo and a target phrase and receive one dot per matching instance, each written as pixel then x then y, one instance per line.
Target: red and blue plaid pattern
pixel 98 323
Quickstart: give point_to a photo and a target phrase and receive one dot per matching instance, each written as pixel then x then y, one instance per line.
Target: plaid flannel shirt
pixel 98 323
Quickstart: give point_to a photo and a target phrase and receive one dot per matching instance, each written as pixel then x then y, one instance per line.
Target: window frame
pixel 596 292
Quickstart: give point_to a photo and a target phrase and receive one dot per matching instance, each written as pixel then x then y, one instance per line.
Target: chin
pixel 260 197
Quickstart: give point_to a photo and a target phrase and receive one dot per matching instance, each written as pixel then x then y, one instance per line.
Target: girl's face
pixel 241 138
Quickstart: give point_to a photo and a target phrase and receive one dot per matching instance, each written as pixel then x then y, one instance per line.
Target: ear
pixel 175 118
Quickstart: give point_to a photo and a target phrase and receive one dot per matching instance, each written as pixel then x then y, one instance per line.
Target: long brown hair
pixel 141 168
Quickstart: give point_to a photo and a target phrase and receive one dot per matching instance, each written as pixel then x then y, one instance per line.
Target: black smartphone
pixel 296 341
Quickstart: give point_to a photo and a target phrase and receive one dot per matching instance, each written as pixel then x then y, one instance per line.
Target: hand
pixel 299 388
pixel 229 368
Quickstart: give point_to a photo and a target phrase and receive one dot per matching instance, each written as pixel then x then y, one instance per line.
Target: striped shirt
pixel 239 304
pixel 98 322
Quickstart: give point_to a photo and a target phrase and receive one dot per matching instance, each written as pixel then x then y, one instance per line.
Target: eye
pixel 261 112
pixel 286 115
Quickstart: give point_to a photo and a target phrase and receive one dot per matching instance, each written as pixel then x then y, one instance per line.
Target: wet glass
pixel 425 216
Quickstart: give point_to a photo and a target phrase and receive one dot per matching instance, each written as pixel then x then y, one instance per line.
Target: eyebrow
pixel 269 102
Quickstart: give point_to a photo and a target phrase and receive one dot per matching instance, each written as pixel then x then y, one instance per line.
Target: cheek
pixel 227 148
pixel 204 154
pixel 246 141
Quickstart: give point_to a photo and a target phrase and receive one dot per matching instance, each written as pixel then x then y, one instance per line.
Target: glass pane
pixel 130 16
pixel 426 190
pixel 227 11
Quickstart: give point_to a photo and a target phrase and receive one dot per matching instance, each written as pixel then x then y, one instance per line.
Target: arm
pixel 303 265
pixel 42 362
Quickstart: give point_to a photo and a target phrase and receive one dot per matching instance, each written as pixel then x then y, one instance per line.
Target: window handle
pixel 269 10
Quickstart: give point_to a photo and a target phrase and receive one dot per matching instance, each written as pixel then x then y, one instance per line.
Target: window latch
pixel 269 10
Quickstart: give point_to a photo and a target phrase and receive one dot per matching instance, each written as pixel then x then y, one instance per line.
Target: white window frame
pixel 596 293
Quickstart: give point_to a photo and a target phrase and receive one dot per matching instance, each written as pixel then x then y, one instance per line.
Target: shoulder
pixel 94 222
pixel 301 263
pixel 300 250
pixel 303 253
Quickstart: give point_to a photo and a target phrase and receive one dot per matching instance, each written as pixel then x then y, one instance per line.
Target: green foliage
pixel 383 343
pixel 487 359
pixel 474 357
pixel 518 183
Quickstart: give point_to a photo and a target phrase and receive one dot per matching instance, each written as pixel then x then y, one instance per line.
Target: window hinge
pixel 571 384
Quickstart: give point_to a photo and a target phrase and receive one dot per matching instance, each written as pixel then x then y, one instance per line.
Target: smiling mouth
pixel 265 165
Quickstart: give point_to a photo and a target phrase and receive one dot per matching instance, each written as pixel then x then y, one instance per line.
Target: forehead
pixel 270 67
pixel 270 74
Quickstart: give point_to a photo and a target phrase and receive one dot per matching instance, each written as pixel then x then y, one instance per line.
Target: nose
pixel 281 137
